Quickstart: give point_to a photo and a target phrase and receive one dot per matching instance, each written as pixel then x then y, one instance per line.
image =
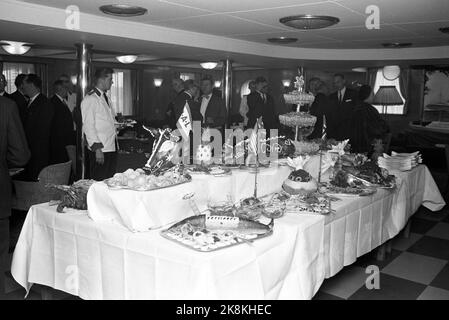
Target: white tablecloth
pixel 114 263
pixel 141 211
pixel 100 260
pixel 363 223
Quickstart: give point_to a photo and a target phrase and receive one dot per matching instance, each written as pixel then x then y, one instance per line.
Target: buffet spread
pixel 307 178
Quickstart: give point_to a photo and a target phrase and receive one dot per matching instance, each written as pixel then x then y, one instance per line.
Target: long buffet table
pixel 105 260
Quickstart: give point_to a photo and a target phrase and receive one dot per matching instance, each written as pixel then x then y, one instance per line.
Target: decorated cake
pixel 300 119
pixel 299 181
pixel 296 97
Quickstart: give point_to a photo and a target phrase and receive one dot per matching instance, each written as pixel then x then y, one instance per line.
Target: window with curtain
pixel 381 81
pixel 121 92
pixel 12 69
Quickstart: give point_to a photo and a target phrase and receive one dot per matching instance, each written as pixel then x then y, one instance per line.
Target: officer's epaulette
pixel 94 90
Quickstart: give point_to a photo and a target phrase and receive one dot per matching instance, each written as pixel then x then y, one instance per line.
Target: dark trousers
pixel 103 171
pixel 4 248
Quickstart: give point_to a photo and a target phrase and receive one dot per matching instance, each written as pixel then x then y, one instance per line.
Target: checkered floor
pixel 416 269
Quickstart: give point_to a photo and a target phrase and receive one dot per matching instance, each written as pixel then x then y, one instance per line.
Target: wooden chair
pixel 28 193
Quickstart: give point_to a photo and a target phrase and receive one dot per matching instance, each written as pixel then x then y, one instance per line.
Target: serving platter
pixel 331 189
pixel 114 186
pixel 211 233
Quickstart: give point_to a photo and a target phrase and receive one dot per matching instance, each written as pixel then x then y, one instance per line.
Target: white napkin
pixel 298 162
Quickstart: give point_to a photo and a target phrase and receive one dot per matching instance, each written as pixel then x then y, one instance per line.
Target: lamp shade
pixel 158 82
pixel 286 83
pixel 217 84
pixel 387 96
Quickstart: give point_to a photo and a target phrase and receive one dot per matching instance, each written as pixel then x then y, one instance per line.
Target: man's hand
pixel 99 156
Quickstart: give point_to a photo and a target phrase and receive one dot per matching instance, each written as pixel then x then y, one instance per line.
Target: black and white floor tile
pixel 416 269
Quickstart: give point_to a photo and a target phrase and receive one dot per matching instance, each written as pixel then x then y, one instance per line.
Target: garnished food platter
pixel 210 233
pixel 330 189
pixel 139 181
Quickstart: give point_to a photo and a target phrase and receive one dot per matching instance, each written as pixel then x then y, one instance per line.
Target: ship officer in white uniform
pixel 99 127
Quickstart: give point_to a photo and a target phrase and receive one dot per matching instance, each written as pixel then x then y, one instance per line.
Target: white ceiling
pixel 414 21
pixel 215 29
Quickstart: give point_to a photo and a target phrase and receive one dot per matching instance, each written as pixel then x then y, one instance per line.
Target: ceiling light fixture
pixel 360 69
pixel 126 59
pixel 282 40
pixel 396 45
pixel 15 48
pixel 444 30
pixel 309 21
pixel 157 82
pixel 123 10
pixel 208 65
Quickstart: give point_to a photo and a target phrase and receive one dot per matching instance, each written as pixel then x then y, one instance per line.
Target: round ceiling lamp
pixel 15 48
pixel 360 69
pixel 282 40
pixel 123 10
pixel 208 65
pixel 309 21
pixel 397 45
pixel 391 72
pixel 127 59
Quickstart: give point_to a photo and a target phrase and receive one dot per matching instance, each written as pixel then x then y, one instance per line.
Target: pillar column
pixel 227 88
pixel 84 72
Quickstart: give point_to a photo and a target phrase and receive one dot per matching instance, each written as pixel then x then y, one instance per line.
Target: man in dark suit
pixel 38 124
pixel 319 107
pixel 178 87
pixel 19 97
pixel 14 153
pixel 186 96
pixel 261 104
pixel 62 126
pixel 3 84
pixel 213 108
pixel 341 109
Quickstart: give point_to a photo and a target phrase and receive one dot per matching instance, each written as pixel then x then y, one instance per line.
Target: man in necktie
pixel 261 104
pixel 19 97
pixel 38 127
pixel 63 134
pixel 213 108
pixel 99 127
pixel 343 102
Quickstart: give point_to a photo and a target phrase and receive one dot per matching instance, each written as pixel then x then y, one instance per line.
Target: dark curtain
pixel 371 76
pixel 403 85
pixel 42 71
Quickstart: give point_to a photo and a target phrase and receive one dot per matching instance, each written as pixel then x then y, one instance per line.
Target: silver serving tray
pixel 200 222
pixel 188 177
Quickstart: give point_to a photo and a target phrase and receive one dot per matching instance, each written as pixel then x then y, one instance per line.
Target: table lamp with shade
pixel 387 96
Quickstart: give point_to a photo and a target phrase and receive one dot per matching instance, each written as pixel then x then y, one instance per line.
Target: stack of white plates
pixel 400 161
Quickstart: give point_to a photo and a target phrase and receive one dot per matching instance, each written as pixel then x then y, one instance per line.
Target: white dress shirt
pixel 204 103
pixel 33 98
pixel 341 94
pixel 98 121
